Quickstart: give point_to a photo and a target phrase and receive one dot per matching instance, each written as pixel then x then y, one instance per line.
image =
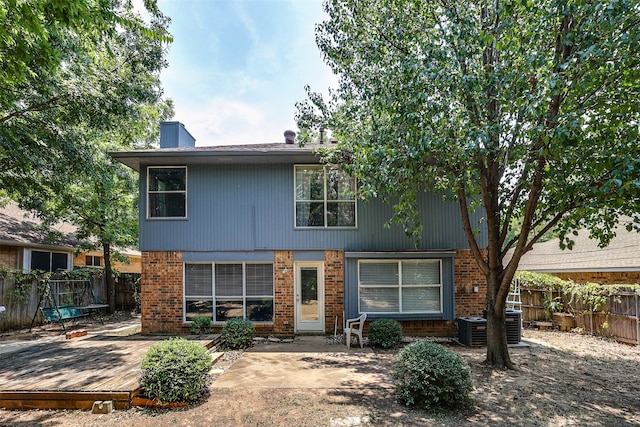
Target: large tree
pixel 79 79
pixel 62 81
pixel 526 110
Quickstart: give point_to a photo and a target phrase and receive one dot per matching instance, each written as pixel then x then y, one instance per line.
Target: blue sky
pixel 237 67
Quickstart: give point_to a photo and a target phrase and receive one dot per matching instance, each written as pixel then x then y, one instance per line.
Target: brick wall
pixel 604 278
pixel 424 328
pixel 333 290
pixel 467 275
pixel 162 299
pixel 9 256
pixel 283 307
pixel 161 293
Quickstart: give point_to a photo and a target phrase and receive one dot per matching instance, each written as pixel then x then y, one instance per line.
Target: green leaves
pixel 504 91
pixel 430 376
pixel 79 78
pixel 175 370
pixel 529 109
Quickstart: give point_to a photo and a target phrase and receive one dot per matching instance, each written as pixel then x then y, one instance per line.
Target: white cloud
pixel 222 121
pixel 235 73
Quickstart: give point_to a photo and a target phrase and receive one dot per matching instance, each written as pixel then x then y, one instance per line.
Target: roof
pixel 622 254
pixel 225 154
pixel 18 227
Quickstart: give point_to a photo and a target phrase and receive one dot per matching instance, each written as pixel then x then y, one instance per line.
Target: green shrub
pixel 539 281
pixel 238 333
pixel 175 370
pixel 431 376
pixel 385 333
pixel 200 325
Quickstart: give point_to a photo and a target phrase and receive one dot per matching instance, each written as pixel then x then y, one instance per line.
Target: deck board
pixel 70 373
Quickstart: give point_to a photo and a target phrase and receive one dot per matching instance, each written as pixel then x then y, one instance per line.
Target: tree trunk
pixel 108 277
pixel 497 350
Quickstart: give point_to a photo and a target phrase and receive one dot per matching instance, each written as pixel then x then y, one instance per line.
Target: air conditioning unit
pixel 472 330
pixel 513 325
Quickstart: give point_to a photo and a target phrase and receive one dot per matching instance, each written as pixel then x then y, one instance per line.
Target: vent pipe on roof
pixel 289 137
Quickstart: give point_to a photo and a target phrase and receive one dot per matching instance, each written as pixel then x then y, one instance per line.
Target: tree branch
pixel 46 105
pixel 468 230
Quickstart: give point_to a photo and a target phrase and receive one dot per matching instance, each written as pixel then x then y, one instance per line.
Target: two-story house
pixel 269 233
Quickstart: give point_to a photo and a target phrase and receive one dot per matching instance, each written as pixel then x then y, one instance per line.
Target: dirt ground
pixel 563 379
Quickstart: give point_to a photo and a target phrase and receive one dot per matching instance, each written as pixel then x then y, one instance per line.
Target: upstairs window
pixel 324 197
pixel 167 190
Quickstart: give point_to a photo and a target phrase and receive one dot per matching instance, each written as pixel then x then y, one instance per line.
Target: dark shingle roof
pixel 18 227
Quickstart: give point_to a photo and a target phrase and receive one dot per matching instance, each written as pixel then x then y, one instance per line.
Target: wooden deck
pixel 72 374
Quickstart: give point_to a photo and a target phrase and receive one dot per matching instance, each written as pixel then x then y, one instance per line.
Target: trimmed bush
pixel 175 370
pixel 431 376
pixel 238 333
pixel 385 333
pixel 200 325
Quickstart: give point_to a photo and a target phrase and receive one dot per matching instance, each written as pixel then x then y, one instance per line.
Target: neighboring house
pixel 267 233
pixel 25 245
pixel 618 263
pixel 96 259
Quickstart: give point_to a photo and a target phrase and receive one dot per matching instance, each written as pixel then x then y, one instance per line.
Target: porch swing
pixel 69 299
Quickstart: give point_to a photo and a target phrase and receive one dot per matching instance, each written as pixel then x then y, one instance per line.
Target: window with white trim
pixel 167 192
pixel 324 197
pixel 400 286
pixel 224 291
pixel 49 261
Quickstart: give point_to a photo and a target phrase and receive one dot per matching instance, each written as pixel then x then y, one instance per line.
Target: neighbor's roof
pixel 622 254
pixel 18 227
pixel 278 152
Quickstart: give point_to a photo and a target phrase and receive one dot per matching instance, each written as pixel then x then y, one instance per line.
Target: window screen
pixel 400 286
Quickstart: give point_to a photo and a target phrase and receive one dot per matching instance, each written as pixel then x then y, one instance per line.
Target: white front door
pixel 309 296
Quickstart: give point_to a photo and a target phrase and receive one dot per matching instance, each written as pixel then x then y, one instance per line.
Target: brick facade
pixel 467 276
pixel 283 310
pixel 333 290
pixel 161 293
pixel 603 278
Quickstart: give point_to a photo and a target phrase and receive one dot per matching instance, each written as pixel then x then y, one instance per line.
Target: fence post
pixel 637 318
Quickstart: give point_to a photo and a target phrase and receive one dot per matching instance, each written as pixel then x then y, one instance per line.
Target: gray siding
pixel 249 208
pixel 448 285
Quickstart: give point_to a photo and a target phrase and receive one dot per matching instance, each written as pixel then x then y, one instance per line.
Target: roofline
pixel 29 245
pixel 252 155
pixel 584 270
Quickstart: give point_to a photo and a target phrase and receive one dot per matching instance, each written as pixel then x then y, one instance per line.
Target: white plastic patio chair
pixel 355 327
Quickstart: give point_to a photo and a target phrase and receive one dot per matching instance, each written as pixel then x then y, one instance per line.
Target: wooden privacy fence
pixel 21 309
pixel 618 318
